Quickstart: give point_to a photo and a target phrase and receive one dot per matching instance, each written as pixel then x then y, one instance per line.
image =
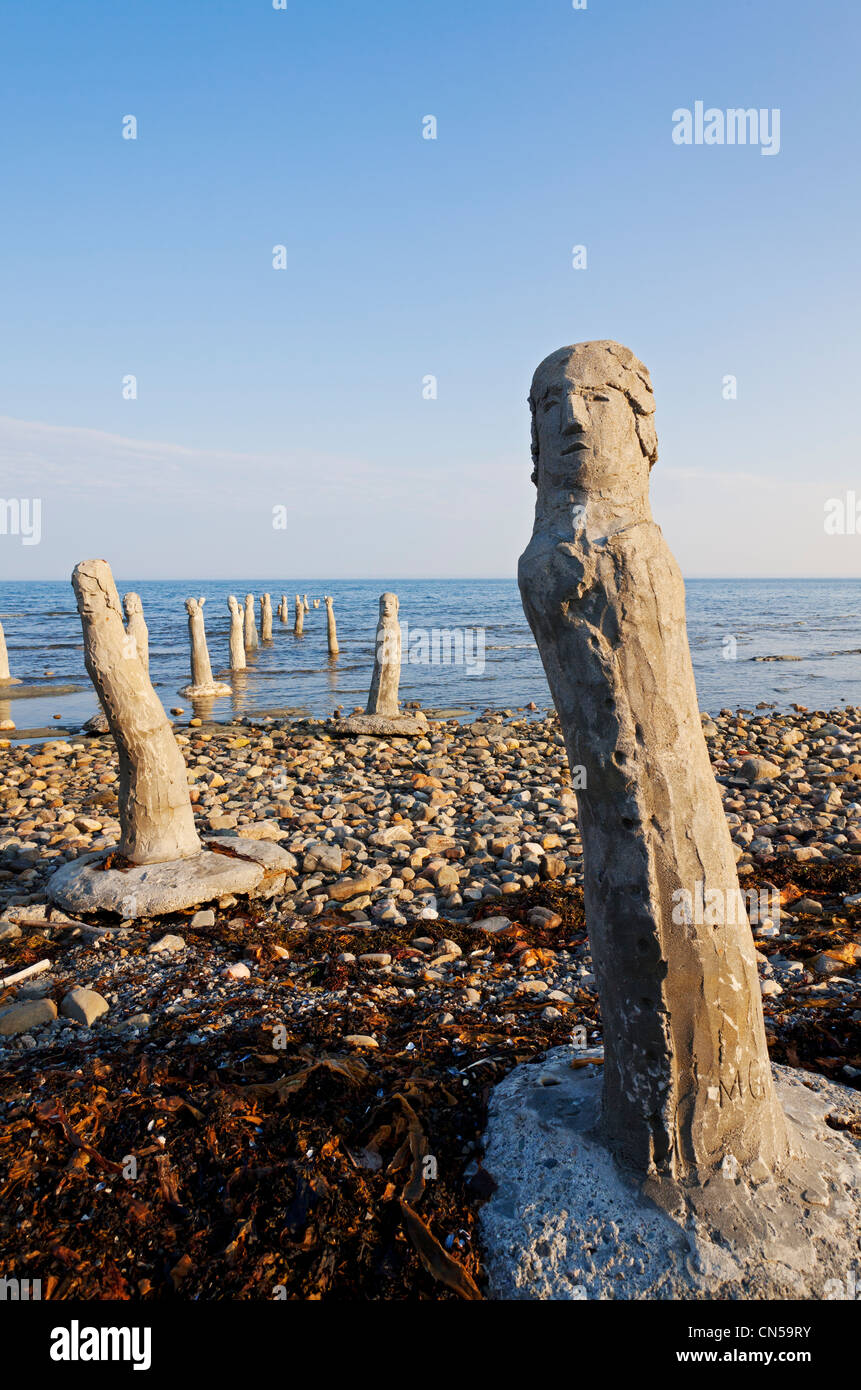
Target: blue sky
pixel 408 257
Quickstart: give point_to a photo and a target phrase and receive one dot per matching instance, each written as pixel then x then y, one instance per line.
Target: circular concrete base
pixel 567 1223
pixel 379 726
pixel 205 692
pixel 150 890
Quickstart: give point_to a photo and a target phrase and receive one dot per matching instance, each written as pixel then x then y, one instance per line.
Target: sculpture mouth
pixel 575 447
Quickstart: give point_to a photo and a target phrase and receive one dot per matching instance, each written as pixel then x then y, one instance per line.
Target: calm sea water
pixel 730 622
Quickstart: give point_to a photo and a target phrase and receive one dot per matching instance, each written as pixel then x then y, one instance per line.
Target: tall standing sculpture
pixel 686 1072
pixel 331 629
pixel 5 678
pixel 252 642
pixel 382 716
pixel 202 683
pixel 136 626
pixel 300 618
pixel 166 868
pixel 737 1195
pixel 383 694
pixel 284 609
pixel 266 617
pixel 237 636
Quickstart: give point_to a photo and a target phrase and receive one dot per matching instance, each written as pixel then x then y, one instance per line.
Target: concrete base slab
pixel 379 726
pixel 205 692
pixel 15 689
pixel 265 852
pixel 150 890
pixel 567 1223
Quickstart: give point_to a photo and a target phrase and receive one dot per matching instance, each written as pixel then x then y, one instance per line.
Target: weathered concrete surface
pixel 154 804
pixel 252 641
pixel 270 855
pixel 5 678
pixel 379 726
pixel 266 617
pixel 202 683
pixel 237 636
pixel 687 1079
pixel 136 627
pixel 256 867
pixel 331 629
pixel 383 694
pixel 149 890
pixel 567 1222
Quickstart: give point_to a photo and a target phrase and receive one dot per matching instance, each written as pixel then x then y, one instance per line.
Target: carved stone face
pixel 593 428
pixel 388 605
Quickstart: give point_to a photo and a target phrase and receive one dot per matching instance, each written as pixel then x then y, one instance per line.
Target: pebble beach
pixel 401 834
pixel 431 915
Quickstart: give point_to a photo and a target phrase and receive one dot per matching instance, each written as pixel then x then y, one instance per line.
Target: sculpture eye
pixel 549 404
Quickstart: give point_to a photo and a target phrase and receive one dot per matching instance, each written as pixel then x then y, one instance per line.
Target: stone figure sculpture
pixel 202 684
pixel 136 626
pixel 5 678
pixel 266 617
pixel 164 867
pixel 237 636
pixel 331 629
pixel 383 694
pixel 744 1186
pixel 252 641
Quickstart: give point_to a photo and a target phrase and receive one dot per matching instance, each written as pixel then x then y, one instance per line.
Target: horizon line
pixel 422 578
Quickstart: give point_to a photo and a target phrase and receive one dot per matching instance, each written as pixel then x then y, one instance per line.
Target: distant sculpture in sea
pixel 237 636
pixel 688 1092
pixel 284 609
pixel 163 866
pixel 266 617
pixel 299 624
pixel 202 683
pixel 252 642
pixel 136 626
pixel 5 678
pixel 331 630
pixel 316 602
pixel 307 604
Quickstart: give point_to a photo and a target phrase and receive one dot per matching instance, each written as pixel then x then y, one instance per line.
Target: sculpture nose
pixel 576 418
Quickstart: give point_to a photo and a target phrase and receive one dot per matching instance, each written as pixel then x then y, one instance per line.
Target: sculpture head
pixel 194 605
pixel 132 605
pixel 388 605
pixel 95 590
pixel 593 433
